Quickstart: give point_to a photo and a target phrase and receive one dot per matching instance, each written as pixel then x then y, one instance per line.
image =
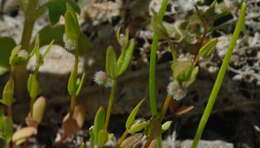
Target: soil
pixel 235 120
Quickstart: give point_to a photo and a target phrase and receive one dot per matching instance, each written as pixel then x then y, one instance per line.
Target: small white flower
pixel 174 89
pixel 101 78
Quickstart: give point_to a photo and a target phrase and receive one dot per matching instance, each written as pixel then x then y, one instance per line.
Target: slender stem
pixel 110 103
pixel 122 138
pixel 74 97
pixel 27 33
pixel 152 70
pixel 220 78
pixel 152 80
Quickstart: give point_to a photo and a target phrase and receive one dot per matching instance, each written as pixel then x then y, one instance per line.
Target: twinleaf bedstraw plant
pixel 74 120
pixel 220 77
pixel 115 67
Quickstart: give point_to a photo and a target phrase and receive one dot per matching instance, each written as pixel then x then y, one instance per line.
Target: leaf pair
pixel 184 71
pixel 99 135
pixel 75 84
pixel 116 67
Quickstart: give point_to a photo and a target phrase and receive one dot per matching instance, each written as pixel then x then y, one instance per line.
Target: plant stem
pixel 152 70
pixel 122 138
pixel 110 102
pixel 74 97
pixel 220 77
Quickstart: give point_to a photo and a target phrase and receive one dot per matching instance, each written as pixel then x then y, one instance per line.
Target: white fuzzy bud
pixel 101 78
pixel 174 89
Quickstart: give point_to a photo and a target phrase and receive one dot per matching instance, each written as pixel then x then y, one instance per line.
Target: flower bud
pixel 174 89
pixel 101 78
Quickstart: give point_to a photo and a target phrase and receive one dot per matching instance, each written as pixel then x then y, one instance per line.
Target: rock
pixel 204 144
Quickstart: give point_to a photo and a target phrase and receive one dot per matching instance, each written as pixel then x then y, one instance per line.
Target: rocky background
pixel 235 120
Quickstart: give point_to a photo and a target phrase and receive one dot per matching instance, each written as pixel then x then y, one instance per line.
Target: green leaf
pixel 33 86
pixel 7 45
pixel 56 32
pixel 80 84
pixel 72 83
pixel 137 127
pixel 192 77
pixel 131 118
pixel 102 138
pixel 111 62
pixel 72 28
pixel 125 57
pixel 18 56
pixel 182 69
pixel 166 125
pixel 99 122
pixel 6 128
pixel 8 93
pixel 49 33
pixel 58 7
pixel 207 49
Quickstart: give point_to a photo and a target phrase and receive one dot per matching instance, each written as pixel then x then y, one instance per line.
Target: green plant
pixel 220 77
pixel 152 76
pixel 115 67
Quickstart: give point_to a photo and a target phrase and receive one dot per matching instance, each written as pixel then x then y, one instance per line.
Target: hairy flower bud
pixel 174 89
pixel 101 78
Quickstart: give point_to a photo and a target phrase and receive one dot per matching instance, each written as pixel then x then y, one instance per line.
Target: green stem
pixel 152 81
pixel 220 78
pixel 152 70
pixel 74 97
pixel 122 138
pixel 27 33
pixel 110 103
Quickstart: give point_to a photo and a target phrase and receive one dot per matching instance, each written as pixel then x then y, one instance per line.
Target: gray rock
pixel 204 144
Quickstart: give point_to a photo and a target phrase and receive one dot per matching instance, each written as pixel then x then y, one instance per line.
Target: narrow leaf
pixel 131 118
pixel 111 62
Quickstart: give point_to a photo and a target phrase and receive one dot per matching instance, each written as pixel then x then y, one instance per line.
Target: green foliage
pixel 7 45
pixel 8 93
pixel 111 62
pixel 132 116
pixel 166 125
pixel 99 124
pixel 6 127
pixel 18 56
pixel 33 86
pixel 206 50
pixel 57 8
pixel 220 77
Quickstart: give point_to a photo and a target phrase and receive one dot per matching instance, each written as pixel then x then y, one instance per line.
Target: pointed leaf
pixel 99 122
pixel 111 62
pixel 79 86
pixel 137 127
pixel 102 138
pixel 131 118
pixel 166 125
pixel 207 49
pixel 6 127
pixel 126 58
pixel 33 86
pixel 8 93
